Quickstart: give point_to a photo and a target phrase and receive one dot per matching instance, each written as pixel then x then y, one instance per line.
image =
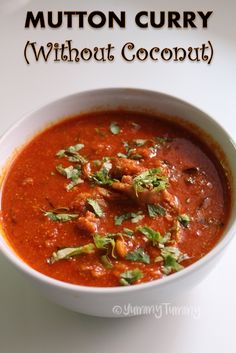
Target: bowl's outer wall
pixel 102 302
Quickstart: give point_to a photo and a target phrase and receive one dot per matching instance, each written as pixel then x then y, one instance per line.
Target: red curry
pixel 114 198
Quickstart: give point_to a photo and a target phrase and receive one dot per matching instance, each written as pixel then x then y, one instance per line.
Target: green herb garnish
pixel 96 207
pixel 128 232
pixel 104 241
pixel 134 217
pixel 140 142
pixel 66 253
pixel 150 179
pixel 106 261
pixel 121 155
pixel 184 219
pixel 72 173
pixel 154 236
pixel 156 210
pixel 172 257
pixel 114 128
pixel 102 176
pixel 131 276
pixel 163 140
pixel 138 255
pixel 72 154
pixel 60 217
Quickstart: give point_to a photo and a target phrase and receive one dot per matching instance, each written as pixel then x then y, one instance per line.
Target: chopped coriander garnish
pixel 134 217
pixel 131 276
pixel 60 217
pixel 72 154
pixel 69 252
pixel 172 257
pixel 70 150
pixel 136 156
pixel 103 242
pixel 140 142
pixel 164 139
pixel 128 232
pixel 71 172
pixel 102 177
pixel 150 179
pixel 130 152
pixel 154 236
pixel 184 219
pixel 106 261
pixel 96 207
pixel 97 162
pixel 138 255
pixel 156 210
pixel 114 128
pixel 121 155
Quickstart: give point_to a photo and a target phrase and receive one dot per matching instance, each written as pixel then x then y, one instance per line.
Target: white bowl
pixel 111 302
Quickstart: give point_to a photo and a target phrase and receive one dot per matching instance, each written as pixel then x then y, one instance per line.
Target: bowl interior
pixel 123 98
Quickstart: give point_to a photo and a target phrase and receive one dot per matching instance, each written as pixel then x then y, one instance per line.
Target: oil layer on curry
pixel 114 199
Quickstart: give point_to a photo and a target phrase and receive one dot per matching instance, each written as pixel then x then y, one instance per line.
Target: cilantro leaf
pixel 172 257
pixel 73 173
pixel 156 210
pixel 96 207
pixel 134 217
pixel 184 219
pixel 164 139
pixel 114 128
pixel 102 176
pixel 138 255
pixel 128 232
pixel 103 242
pixel 121 155
pixel 154 236
pixel 140 142
pixel 66 253
pixel 106 261
pixel 60 217
pixel 72 154
pixel 131 276
pixel 150 179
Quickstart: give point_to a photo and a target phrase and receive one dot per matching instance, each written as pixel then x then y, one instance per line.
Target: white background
pixel 28 322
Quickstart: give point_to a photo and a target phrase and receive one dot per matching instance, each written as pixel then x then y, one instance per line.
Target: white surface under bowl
pixel 108 302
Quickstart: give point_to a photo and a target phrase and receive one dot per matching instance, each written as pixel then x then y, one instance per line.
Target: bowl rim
pixel 8 251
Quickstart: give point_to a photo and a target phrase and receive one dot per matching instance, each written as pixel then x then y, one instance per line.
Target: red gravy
pixel 114 198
